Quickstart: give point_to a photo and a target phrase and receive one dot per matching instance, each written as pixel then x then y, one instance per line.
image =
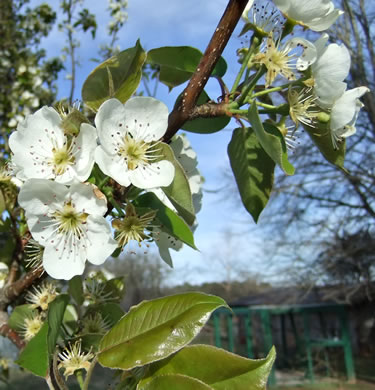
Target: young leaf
pixel 76 289
pixel 18 316
pixel 271 140
pixel 117 77
pixel 56 310
pixel 34 356
pixel 253 170
pixel 170 221
pixel 321 137
pixel 178 192
pixel 205 125
pixel 155 329
pixel 174 381
pixel 178 63
pixel 202 361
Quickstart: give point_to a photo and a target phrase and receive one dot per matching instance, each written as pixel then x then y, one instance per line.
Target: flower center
pixel 132 226
pixel 136 152
pixel 62 159
pixel 70 221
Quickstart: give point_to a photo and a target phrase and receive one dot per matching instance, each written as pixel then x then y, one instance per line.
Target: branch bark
pixel 183 110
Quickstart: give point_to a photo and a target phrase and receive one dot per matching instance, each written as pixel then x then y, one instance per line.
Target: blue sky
pixel 178 23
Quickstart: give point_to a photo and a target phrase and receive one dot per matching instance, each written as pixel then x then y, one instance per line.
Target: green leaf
pixel 205 125
pixel 18 316
pixel 253 170
pixel 56 310
pixel 321 137
pixel 90 340
pixel 117 77
pixel 34 356
pixel 76 289
pixel 178 192
pixel 175 382
pixel 170 221
pixel 202 361
pixel 271 140
pixel 220 68
pixel 178 63
pixel 155 329
pixel 109 311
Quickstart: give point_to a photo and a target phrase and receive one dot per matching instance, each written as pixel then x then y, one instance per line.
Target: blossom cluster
pixel 316 71
pixel 66 214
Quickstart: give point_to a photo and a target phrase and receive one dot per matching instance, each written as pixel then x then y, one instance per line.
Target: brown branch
pixel 7 331
pixel 14 290
pixel 219 40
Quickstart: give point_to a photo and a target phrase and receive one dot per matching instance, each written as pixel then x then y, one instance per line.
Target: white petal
pixel 85 199
pixel 320 44
pixel 309 54
pixel 334 63
pixel 159 174
pixel 110 123
pixel 113 166
pixel 38 196
pixel 101 244
pixel 325 22
pixel 42 228
pixel 328 91
pixel 146 117
pixel 85 145
pixel 62 262
pixel 346 108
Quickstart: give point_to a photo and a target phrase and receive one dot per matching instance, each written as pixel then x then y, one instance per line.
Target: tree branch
pixel 14 290
pixel 183 110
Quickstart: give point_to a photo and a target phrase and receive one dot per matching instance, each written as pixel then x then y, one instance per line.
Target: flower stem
pixel 248 88
pixel 89 374
pixel 249 54
pixel 79 377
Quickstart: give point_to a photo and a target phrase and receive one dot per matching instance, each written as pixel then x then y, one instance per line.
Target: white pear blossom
pixel 329 71
pixel 318 15
pixel 42 150
pixel 129 136
pixel 263 15
pixel 344 114
pixel 69 223
pixel 285 59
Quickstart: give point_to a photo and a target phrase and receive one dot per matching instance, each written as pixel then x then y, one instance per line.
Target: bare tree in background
pixel 310 211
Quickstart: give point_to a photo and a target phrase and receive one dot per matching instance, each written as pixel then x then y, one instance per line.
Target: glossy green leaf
pixel 215 367
pixel 155 329
pixel 76 289
pixel 170 221
pixel 34 357
pixel 206 125
pixel 16 319
pixel 56 310
pixel 175 382
pixel 117 77
pixel 253 170
pixel 178 63
pixel 271 140
pixel 178 192
pixel 321 137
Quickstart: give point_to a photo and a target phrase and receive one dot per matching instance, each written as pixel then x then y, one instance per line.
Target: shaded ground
pixel 360 385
